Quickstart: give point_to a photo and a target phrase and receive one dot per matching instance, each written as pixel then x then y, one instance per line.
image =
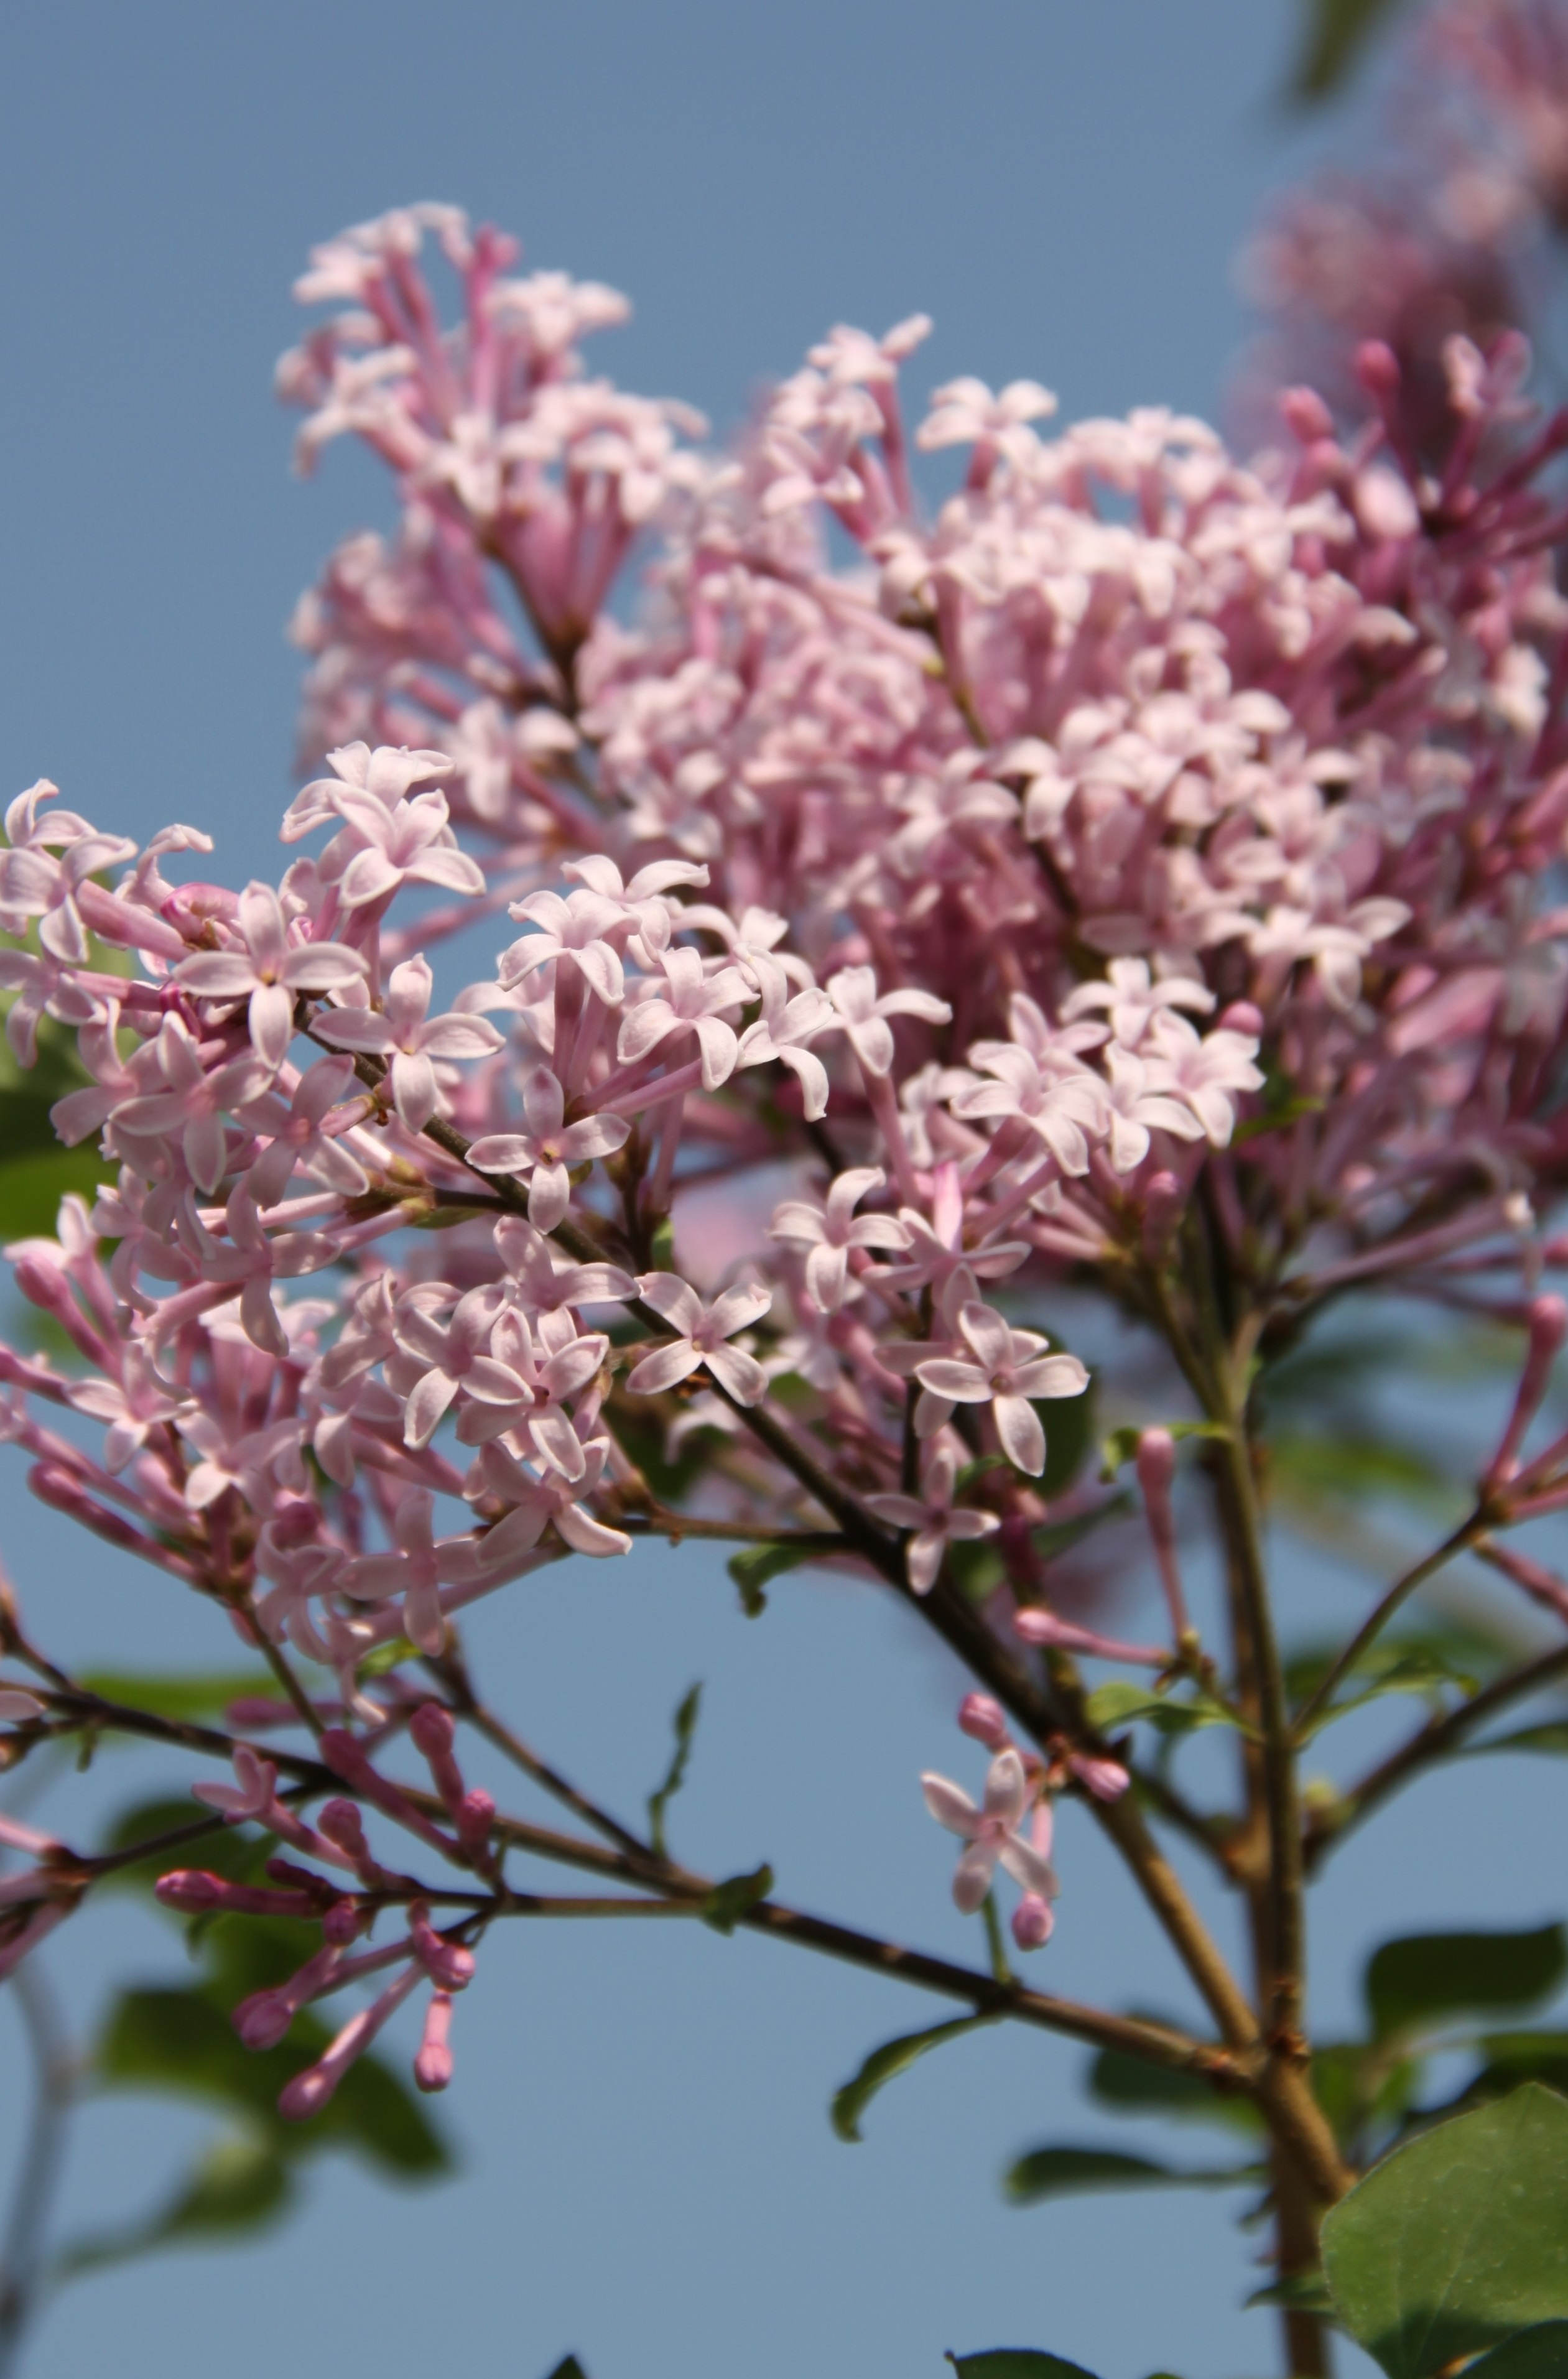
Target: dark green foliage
pixel 1456 2241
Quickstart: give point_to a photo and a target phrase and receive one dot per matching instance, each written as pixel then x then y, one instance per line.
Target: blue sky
pixel 648 2172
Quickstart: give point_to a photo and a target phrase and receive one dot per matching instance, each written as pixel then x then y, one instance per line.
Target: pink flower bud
pixel 1242 1017
pixel 1377 368
pixel 189 1887
pixel 341 1823
pixel 262 2019
pixel 1107 1780
pixel 433 2065
pixel 1305 414
pixel 985 1721
pixel 341 1922
pixel 432 1729
pixel 475 1815
pixel 1032 1922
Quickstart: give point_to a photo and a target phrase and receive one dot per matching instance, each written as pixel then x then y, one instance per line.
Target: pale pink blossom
pixel 991 1832
pixel 933 1516
pixel 830 1231
pixel 703 1343
pixel 548 1147
pixel 402 1031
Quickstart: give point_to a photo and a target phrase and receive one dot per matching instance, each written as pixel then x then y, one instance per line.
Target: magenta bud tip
pixel 984 1720
pixel 433 2068
pixel 432 1729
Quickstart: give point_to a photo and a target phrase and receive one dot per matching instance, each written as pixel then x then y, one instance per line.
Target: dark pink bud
pixel 433 2066
pixel 306 2093
pixel 475 1816
pixel 262 2019
pixel 1306 414
pixel 1377 368
pixel 1032 1922
pixel 985 1721
pixel 341 1922
pixel 432 1729
pixel 189 1887
pixel 341 1823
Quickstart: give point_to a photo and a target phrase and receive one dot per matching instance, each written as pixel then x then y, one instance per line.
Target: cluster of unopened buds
pixel 1143 830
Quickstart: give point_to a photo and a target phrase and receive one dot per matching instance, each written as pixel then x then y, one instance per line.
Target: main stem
pixel 1270 1861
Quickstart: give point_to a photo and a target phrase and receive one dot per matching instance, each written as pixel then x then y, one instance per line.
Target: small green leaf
pixel 1128 2085
pixel 730 1901
pixel 1429 1977
pixel 1068 1424
pixel 569 2368
pixel 1073 2172
pixel 1058 1537
pixel 1122 1443
pixel 1515 2057
pixel 1539 2353
pixel 182 2041
pixel 190 1696
pixel 1550 1738
pixel 1300 2292
pixel 1121 1704
pixel 1337 30
pixel 752 1569
pixel 1016 2362
pixel 239 2184
pixel 385 1658
pixel 675 1775
pixel 234 1852
pixel 1454 2241
pixel 884 2064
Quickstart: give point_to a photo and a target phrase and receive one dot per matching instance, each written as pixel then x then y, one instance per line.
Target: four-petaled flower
pixel 400 1031
pixel 548 1147
pixel 705 1331
pixel 268 972
pixel 991 1832
pixel 1004 1368
pixel 934 1518
pixel 863 1016
pixel 830 1231
pixel 693 1002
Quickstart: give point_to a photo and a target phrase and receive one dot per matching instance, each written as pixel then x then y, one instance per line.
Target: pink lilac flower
pixel 990 1831
pixel 933 1516
pixel 400 1031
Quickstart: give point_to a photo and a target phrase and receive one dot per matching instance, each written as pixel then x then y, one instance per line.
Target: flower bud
pixel 985 1721
pixel 1032 1922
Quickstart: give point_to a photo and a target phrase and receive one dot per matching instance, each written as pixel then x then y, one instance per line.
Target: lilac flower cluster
pixel 1143 828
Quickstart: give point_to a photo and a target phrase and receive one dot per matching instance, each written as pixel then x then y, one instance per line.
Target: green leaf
pixel 1515 2057
pixel 1455 2240
pixel 1121 1703
pixel 1428 1977
pixel 569 2368
pixel 1016 2362
pixel 1057 1537
pixel 239 2184
pixel 1072 2172
pixel 1539 2353
pixel 33 1181
pixel 1337 30
pixel 1551 1737
pixel 1122 1443
pixel 188 1696
pixel 730 1901
pixel 182 2041
pixel 1300 2292
pixel 1131 2087
pixel 384 1658
pixel 1068 1424
pixel 884 2064
pixel 1356 1464
pixel 675 1775
pixel 752 1569
pixel 234 1852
